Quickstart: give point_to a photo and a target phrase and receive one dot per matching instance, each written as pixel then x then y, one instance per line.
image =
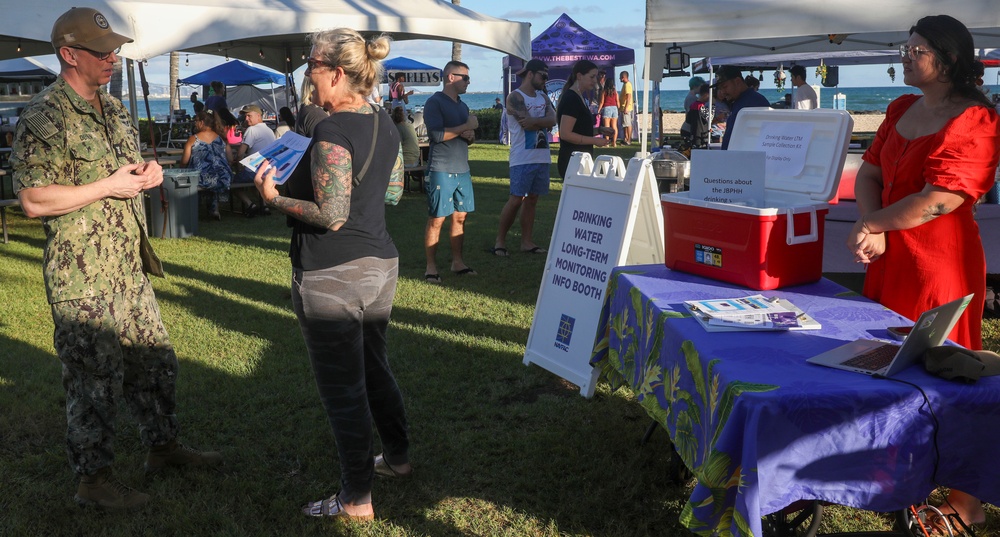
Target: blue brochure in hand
pixel 283 153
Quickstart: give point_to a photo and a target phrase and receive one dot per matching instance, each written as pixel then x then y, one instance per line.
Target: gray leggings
pixel 344 312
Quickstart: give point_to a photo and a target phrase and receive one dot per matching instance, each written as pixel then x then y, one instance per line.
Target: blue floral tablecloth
pixel 761 429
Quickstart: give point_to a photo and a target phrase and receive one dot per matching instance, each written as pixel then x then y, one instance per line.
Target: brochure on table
pixel 755 312
pixel 284 154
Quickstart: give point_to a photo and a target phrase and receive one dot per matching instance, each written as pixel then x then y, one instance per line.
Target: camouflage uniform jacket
pixel 63 140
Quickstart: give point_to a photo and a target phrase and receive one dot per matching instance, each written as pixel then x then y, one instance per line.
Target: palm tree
pixel 456 48
pixel 175 97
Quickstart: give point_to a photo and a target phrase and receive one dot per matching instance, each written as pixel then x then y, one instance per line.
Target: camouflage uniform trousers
pixel 114 345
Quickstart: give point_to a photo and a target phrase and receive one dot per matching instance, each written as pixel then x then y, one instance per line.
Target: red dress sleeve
pixel 966 158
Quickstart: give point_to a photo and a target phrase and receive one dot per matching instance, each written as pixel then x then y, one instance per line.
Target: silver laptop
pixel 874 357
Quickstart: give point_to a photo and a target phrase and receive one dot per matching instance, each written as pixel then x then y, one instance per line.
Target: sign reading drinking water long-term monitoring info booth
pixel 608 216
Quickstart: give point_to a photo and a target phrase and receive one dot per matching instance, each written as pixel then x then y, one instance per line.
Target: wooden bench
pixel 3 214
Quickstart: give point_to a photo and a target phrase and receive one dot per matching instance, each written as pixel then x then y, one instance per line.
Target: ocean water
pixel 873 100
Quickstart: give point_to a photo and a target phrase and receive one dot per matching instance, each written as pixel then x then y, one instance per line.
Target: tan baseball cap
pixel 253 108
pixel 86 27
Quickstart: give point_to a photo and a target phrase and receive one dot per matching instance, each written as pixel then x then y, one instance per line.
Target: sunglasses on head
pixel 313 63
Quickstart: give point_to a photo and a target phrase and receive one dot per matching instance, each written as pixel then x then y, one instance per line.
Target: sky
pixel 619 21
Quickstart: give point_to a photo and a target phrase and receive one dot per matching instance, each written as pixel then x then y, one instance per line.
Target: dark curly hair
pixel 955 51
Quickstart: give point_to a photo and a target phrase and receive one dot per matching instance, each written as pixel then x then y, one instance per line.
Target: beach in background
pixel 860 100
pixel 867 105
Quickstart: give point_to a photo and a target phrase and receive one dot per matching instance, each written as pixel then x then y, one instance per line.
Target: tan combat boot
pixel 103 490
pixel 174 454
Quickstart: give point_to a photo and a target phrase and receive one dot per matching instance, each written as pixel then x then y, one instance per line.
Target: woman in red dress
pixel 933 157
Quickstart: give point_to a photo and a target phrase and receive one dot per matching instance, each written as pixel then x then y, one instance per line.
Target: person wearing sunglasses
pixel 345 265
pixel 531 116
pixel 451 129
pixel 933 156
pixel 77 166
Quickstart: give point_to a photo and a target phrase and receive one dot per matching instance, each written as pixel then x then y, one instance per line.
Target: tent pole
pixel 645 104
pixel 711 99
pixel 635 108
pixel 149 123
pixel 290 89
pixel 133 105
pixel 275 104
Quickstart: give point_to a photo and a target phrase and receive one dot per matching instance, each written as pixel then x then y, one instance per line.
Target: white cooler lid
pixel 824 162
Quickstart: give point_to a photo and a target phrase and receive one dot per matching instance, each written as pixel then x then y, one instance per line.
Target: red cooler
pixel 780 243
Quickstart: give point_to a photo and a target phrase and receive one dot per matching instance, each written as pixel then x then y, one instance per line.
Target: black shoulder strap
pixel 371 151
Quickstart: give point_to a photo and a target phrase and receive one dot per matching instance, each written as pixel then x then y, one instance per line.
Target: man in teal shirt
pixel 449 182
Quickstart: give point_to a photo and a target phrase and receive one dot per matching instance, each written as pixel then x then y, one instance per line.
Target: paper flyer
pixel 755 312
pixel 284 153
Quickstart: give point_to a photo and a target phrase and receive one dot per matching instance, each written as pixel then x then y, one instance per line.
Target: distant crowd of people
pixel 219 140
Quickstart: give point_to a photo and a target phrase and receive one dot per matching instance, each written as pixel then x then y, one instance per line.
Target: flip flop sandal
pixel 383 469
pixel 499 251
pixel 463 272
pixel 432 278
pixel 535 250
pixel 332 508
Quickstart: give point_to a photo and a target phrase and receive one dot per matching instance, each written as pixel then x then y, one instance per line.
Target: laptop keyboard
pixel 874 359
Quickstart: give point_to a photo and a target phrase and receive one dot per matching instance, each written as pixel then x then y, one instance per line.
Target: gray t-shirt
pixel 440 113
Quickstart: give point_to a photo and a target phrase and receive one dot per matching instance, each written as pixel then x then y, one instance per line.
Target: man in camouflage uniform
pixel 77 166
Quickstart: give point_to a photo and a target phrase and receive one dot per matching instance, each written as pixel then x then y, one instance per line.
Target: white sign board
pixel 608 216
pixel 728 176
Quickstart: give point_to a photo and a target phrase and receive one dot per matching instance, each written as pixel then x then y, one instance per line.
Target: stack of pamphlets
pixel 755 312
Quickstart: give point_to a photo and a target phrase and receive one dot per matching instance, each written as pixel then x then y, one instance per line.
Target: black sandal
pixel 384 469
pixel 333 508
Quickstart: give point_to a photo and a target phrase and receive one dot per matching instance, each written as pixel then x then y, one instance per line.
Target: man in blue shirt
pixel 449 182
pixel 733 89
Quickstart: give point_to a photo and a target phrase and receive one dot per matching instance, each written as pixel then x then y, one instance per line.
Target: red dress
pixel 941 260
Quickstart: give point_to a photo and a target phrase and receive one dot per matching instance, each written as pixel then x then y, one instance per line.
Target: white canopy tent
pixel 754 27
pixel 274 34
pixel 263 31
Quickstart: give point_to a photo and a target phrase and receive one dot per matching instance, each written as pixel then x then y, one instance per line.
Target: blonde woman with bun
pixel 345 265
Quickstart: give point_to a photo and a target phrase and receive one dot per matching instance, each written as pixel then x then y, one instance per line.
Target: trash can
pixel 181 189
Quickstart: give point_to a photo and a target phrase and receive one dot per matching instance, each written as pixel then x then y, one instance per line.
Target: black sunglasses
pixel 313 63
pixel 99 55
pixel 465 78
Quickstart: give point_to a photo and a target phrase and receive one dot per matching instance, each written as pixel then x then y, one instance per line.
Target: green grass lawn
pixel 498 448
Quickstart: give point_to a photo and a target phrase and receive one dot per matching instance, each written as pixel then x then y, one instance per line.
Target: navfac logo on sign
pixel 565 332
